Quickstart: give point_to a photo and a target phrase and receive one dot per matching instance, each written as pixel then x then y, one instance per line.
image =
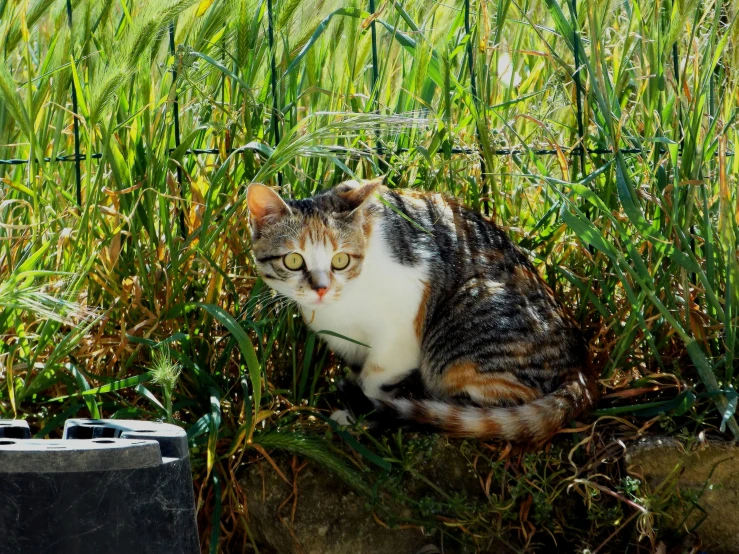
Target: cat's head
pixel 311 250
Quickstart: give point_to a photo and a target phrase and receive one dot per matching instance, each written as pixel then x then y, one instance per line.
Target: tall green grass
pixel 642 246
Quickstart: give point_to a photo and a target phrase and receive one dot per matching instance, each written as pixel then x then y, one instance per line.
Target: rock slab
pixel 709 473
pixel 330 518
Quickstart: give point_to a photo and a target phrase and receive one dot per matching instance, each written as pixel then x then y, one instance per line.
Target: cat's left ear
pixel 355 193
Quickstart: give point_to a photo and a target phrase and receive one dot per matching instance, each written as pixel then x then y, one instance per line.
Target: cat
pixel 458 331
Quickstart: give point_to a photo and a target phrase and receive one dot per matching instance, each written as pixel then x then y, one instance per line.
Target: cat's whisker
pixel 264 310
pixel 262 303
pixel 279 302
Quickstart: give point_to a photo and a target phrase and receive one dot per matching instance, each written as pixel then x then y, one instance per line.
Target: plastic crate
pixel 107 487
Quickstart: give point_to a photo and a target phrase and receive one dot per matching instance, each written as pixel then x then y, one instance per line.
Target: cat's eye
pixel 340 261
pixel 293 261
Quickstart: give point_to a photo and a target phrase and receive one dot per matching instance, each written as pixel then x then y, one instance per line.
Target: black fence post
pixel 77 159
pixel 375 71
pixel 273 70
pixel 473 87
pixel 578 87
pixel 375 76
pixel 176 116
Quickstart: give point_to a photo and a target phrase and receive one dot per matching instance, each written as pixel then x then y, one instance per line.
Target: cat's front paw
pixel 343 417
pixel 353 398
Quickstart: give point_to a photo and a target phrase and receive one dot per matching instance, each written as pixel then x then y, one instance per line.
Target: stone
pixel 331 518
pixel 709 472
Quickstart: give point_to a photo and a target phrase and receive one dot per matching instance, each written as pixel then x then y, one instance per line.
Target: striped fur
pixel 530 422
pixel 441 296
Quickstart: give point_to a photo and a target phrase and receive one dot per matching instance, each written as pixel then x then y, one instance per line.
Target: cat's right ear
pixel 356 193
pixel 265 205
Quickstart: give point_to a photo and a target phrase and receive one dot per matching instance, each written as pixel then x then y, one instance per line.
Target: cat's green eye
pixel 293 261
pixel 340 261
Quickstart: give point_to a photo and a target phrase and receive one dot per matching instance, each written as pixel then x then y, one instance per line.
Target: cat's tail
pixel 531 423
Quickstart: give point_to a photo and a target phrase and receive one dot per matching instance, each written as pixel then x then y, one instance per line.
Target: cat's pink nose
pixel 320 291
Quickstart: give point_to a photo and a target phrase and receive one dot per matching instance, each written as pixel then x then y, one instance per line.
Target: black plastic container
pixel 107 487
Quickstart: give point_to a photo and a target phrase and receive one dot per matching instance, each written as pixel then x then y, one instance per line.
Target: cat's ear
pixel 355 193
pixel 265 205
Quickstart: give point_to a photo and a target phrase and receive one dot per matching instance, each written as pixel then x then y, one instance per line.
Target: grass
pixel 152 269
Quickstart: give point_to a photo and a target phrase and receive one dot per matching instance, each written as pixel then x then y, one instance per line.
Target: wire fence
pixel 579 151
pixel 573 151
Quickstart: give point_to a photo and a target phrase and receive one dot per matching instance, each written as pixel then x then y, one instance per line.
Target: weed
pixel 637 232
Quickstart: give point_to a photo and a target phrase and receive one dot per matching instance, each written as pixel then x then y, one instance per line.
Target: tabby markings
pixel 488 387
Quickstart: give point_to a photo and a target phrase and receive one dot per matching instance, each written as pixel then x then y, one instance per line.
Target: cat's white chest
pixel 378 308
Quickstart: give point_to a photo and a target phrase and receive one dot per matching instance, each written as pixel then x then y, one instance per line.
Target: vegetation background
pixel 601 135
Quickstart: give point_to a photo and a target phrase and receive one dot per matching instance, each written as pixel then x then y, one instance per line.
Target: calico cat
pixel 462 334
